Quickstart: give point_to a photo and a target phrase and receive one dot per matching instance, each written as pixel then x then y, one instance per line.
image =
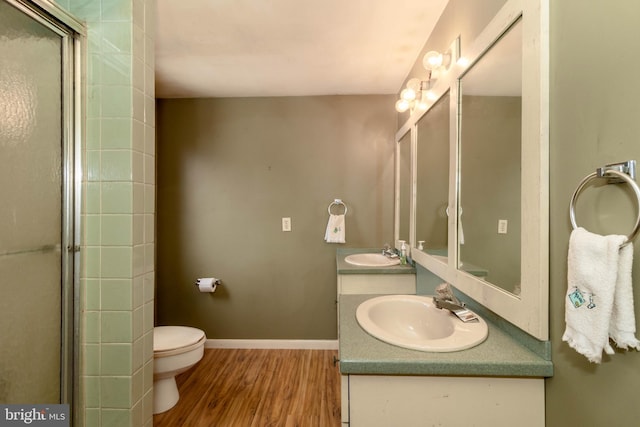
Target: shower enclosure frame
pixel 73 38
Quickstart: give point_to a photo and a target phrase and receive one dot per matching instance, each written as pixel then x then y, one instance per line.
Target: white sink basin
pixel 413 322
pixel 371 260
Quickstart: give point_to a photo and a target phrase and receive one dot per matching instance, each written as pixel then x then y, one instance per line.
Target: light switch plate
pixel 502 226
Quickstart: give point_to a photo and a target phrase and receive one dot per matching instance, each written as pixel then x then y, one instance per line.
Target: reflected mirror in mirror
pixel 432 187
pixel 490 164
pixel 404 190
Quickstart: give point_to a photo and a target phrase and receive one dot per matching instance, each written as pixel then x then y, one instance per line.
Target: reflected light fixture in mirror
pixel 463 62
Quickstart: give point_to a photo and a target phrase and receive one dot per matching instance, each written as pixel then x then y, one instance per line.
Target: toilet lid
pixel 172 337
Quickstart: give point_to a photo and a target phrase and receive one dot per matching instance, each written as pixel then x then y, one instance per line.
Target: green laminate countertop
pixel 346 268
pixel 499 355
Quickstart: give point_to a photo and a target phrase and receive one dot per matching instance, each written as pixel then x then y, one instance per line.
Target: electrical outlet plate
pixel 502 226
pixel 286 224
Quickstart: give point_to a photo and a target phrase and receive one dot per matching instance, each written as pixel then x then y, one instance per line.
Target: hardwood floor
pixel 258 388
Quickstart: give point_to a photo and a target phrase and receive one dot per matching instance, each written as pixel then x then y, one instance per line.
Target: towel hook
pixel 337 202
pixel 607 173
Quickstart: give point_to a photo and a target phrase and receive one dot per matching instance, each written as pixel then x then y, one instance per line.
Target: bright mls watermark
pixel 34 415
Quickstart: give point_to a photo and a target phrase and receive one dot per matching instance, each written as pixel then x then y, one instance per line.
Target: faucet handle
pixel 445 292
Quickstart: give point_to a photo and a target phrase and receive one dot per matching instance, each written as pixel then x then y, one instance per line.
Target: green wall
pixel 594 121
pixel 229 170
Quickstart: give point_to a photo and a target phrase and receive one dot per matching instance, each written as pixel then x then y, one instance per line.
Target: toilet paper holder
pixel 212 280
pixel 207 284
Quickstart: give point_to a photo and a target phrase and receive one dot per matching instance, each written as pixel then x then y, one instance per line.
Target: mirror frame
pixel 530 310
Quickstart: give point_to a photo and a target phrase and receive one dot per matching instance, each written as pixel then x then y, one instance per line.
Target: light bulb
pixel 432 60
pixel 430 95
pixel 408 94
pixel 402 105
pixel 463 62
pixel 422 105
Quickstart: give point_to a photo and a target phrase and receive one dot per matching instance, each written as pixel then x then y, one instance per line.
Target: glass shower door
pixel 32 202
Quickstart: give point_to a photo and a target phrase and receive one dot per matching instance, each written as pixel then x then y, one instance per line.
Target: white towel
pixel 335 229
pixel 599 284
pixel 622 328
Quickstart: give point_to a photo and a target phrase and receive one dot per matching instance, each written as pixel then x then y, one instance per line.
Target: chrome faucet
pixel 388 252
pixel 447 300
pixel 448 304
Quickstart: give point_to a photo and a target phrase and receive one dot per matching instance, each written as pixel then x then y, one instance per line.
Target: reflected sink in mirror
pixel 371 260
pixel 413 322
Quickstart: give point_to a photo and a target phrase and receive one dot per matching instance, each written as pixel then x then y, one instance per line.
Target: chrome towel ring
pixel 608 173
pixel 337 202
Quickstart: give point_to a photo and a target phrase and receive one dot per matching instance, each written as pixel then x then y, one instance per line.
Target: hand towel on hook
pixel 599 302
pixel 335 232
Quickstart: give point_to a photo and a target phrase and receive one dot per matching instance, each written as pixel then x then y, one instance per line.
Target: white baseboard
pixel 274 344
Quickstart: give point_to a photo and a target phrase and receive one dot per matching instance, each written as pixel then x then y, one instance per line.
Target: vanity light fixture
pixel 439 63
pixel 402 105
pixel 418 93
pixel 433 60
pixel 463 62
pixel 415 96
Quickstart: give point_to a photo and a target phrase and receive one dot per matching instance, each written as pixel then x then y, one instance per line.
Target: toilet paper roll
pixel 207 284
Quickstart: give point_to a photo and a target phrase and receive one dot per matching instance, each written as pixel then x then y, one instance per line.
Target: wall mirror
pixel 432 179
pixel 404 186
pixel 498 170
pixel 512 274
pixel 489 198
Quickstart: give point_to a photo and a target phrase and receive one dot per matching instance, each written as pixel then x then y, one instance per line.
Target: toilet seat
pixel 172 340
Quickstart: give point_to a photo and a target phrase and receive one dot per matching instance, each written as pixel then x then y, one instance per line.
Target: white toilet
pixel 175 350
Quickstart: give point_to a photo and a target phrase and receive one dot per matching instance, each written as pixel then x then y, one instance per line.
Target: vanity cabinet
pixel 383 400
pixel 497 383
pixel 382 284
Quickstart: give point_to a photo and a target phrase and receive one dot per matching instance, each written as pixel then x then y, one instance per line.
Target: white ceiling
pixel 238 48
